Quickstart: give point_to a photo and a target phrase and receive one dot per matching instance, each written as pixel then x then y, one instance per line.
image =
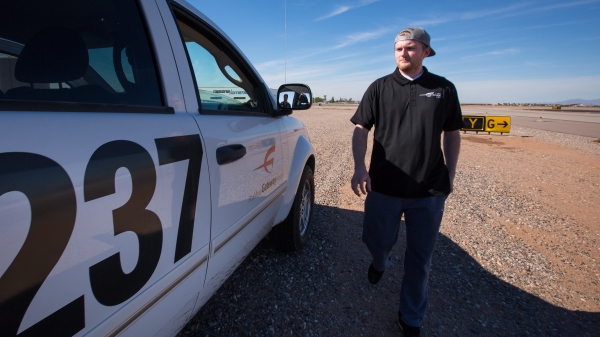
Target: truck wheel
pixel 292 234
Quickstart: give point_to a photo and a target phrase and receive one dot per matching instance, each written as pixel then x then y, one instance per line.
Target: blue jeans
pixel 423 217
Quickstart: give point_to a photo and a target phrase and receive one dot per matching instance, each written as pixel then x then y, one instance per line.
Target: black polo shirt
pixel 409 116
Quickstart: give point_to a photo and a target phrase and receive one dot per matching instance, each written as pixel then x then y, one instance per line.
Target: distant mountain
pixel 580 101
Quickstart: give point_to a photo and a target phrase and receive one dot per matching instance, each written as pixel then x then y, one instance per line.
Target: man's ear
pixel 427 51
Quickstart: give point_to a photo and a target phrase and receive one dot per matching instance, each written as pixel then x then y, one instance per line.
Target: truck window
pixel 76 51
pixel 221 84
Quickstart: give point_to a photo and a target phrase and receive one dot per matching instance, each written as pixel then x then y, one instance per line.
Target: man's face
pixel 285 98
pixel 410 54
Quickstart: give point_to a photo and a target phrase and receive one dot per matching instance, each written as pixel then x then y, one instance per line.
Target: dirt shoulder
pixel 517 254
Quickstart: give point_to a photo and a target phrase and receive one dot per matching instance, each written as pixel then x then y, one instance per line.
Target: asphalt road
pixel 582 123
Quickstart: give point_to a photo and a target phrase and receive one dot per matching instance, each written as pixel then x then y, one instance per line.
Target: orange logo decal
pixel 268 162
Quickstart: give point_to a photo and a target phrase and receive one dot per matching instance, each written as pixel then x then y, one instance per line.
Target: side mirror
pixel 294 97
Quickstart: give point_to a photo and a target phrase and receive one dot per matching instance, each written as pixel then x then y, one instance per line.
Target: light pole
pixel 284 41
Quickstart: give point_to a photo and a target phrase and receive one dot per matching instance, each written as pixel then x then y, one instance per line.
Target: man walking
pixel 409 173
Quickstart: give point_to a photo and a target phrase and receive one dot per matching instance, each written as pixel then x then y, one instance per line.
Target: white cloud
pixel 528 91
pixel 342 9
pixel 431 22
pixel 347 40
pixel 335 12
pixel 463 47
pixel 488 12
pixel 449 17
pixel 508 51
pixel 361 37
pixel 269 64
pixel 512 10
pixel 550 7
pixel 342 57
pixel 566 23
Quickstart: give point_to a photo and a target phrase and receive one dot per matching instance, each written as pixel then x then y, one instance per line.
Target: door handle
pixel 230 153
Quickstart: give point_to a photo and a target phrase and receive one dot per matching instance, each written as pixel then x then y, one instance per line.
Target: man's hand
pixel 361 180
pixel 452 175
pixel 451 150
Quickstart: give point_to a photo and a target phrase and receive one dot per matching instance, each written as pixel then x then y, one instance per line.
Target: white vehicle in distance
pixel 129 189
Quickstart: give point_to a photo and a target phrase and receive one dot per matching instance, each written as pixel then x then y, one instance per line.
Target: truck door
pixel 246 156
pixel 104 182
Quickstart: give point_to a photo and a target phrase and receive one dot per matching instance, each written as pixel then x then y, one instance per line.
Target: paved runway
pixel 583 123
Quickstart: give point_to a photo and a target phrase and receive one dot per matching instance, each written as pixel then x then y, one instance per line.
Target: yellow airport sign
pixel 486 123
pixel 473 123
pixel 497 124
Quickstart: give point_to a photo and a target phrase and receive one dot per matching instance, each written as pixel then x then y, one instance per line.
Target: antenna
pixel 284 41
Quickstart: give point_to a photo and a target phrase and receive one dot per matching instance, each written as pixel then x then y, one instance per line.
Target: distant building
pixel 236 93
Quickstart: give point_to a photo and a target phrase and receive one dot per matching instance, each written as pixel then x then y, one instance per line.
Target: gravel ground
pixel 517 254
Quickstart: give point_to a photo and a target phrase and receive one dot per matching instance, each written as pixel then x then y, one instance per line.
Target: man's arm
pixel 359 149
pixel 451 151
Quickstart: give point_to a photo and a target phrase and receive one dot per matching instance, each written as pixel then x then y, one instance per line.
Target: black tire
pixel 292 234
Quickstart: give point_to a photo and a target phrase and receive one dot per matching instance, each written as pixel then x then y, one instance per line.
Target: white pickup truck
pixel 142 158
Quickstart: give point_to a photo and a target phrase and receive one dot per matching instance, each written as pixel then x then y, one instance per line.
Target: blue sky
pixel 493 51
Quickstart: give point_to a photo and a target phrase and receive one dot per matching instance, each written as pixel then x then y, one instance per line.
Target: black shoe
pixel 407 330
pixel 374 275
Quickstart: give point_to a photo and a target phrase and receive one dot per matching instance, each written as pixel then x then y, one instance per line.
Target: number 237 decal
pixel 53 210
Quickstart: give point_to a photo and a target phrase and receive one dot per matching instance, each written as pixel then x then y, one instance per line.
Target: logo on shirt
pixel 432 94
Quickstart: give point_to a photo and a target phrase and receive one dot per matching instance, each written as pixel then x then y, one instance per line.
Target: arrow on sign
pixel 505 124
